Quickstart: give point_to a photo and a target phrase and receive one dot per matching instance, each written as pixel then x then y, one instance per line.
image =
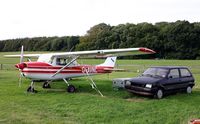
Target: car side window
pixel 185 73
pixel 174 73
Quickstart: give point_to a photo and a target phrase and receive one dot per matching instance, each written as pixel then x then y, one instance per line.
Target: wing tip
pixel 146 50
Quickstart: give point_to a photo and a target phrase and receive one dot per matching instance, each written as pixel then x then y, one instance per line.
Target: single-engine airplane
pixel 63 65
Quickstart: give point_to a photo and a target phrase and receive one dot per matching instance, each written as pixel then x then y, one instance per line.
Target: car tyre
pixel 189 89
pixel 159 94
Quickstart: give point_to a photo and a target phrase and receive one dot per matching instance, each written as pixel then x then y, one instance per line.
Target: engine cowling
pixel 21 65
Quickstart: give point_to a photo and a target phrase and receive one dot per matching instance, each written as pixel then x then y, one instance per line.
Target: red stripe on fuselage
pixel 48 72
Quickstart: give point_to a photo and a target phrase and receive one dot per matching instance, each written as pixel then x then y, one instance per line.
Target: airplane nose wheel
pixel 46 85
pixel 31 89
pixel 71 89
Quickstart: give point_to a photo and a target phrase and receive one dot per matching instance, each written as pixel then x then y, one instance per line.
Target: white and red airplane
pixel 63 65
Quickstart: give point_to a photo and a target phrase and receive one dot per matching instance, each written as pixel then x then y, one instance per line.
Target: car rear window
pixel 185 73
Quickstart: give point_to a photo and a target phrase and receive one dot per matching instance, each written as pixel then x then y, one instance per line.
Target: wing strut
pixel 94 86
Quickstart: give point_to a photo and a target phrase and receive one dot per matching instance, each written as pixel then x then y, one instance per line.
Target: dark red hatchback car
pixel 157 81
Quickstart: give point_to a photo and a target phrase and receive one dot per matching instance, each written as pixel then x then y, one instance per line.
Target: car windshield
pixel 155 72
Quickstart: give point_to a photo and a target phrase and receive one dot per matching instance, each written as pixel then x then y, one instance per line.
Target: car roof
pixel 169 67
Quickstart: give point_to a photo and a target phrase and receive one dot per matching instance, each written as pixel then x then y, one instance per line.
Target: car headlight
pixel 128 83
pixel 148 85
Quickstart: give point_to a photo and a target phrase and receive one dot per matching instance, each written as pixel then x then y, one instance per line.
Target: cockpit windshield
pixel 45 58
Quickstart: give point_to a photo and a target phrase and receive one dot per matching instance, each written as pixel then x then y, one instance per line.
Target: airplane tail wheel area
pixel 46 85
pixel 71 89
pixel 31 89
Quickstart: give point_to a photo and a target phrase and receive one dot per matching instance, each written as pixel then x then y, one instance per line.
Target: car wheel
pixel 189 89
pixel 159 94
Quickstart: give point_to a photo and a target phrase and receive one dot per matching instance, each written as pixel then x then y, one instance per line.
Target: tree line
pixel 171 40
pixel 66 43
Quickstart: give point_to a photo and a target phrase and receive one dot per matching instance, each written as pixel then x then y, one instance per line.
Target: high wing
pixel 95 53
pixel 107 52
pixel 25 55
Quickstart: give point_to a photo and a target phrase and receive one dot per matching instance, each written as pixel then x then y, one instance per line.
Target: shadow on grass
pixel 105 86
pixel 83 87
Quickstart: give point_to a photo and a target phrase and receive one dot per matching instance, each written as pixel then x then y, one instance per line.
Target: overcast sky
pixel 34 18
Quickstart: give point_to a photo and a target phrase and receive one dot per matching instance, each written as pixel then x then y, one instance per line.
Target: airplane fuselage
pixel 45 71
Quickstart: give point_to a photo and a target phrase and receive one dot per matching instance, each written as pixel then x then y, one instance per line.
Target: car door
pixel 173 80
pixel 186 77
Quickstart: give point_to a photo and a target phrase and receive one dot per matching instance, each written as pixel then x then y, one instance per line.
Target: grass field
pixel 87 106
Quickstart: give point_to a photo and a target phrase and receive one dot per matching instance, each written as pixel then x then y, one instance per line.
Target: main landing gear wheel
pixel 31 90
pixel 46 85
pixel 71 89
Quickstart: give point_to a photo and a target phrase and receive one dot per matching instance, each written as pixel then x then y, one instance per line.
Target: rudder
pixel 110 61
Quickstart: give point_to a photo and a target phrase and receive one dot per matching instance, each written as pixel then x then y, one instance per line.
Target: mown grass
pixel 55 105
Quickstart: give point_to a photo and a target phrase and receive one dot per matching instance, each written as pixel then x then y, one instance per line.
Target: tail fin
pixel 110 61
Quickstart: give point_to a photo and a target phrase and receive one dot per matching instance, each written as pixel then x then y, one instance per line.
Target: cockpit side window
pixel 61 61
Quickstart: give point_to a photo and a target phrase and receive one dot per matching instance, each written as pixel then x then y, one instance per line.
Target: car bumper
pixel 141 90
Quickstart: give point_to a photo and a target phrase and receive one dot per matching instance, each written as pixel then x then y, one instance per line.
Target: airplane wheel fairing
pixel 46 85
pixel 71 89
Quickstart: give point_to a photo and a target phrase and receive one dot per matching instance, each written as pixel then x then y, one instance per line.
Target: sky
pixel 37 18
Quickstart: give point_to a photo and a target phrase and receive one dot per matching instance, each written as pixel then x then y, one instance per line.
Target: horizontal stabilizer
pixel 115 69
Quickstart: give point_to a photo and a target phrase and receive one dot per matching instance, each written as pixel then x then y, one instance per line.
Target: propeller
pixel 22 54
pixel 21 61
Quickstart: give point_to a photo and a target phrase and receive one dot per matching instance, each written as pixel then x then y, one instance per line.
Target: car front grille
pixel 137 84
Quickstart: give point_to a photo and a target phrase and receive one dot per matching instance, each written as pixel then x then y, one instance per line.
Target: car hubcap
pixel 189 89
pixel 159 94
